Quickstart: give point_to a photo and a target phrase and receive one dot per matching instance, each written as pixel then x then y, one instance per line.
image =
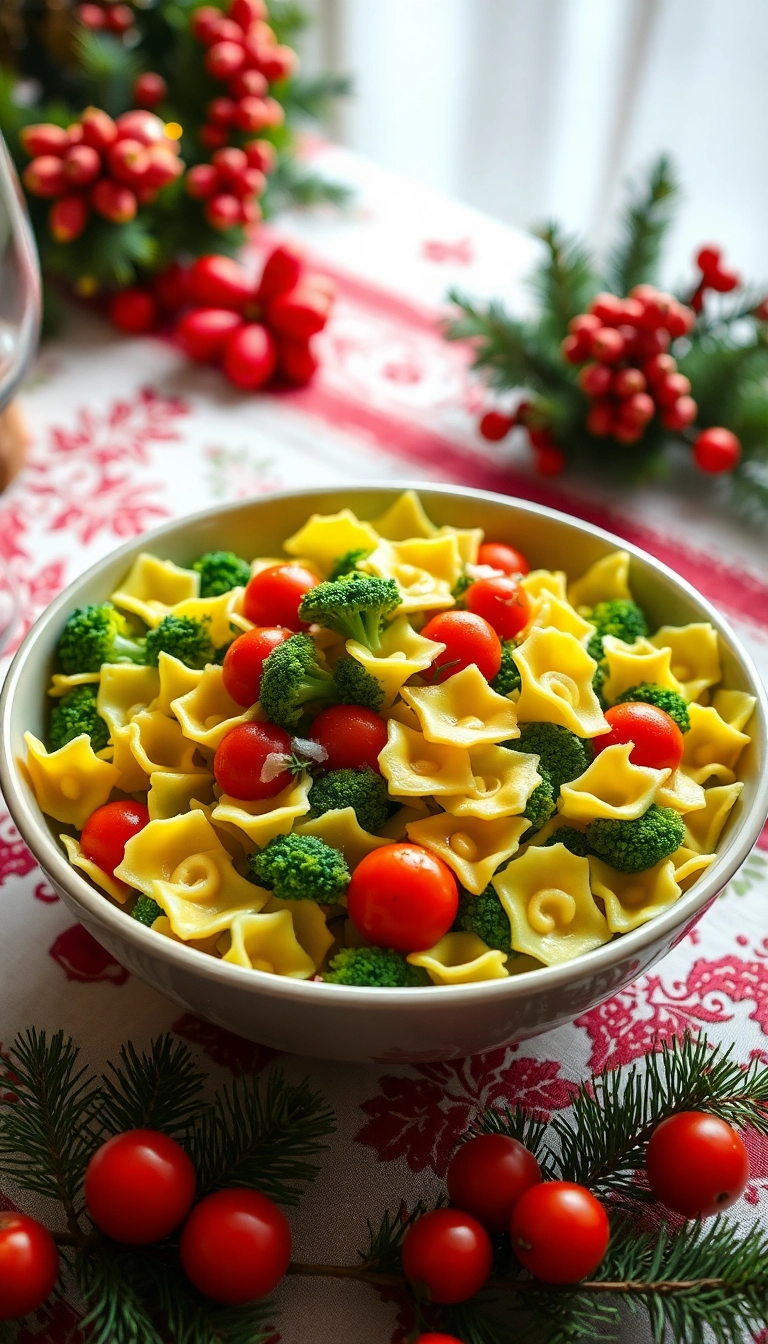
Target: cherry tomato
pixel 244 661
pixel 502 603
pixel 487 1175
pixel 696 1164
pixel 273 596
pixel 29 1264
pixel 240 758
pixel 560 1232
pixel 503 557
pixel 235 1246
pixel 402 896
pixel 468 639
pixel 352 736
pixel 108 830
pixel 449 1252
pixel 139 1186
pixel 658 742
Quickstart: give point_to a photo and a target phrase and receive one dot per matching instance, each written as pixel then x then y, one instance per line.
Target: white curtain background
pixel 534 109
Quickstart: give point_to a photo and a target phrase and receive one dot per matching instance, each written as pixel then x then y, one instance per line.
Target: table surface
pixel 126 434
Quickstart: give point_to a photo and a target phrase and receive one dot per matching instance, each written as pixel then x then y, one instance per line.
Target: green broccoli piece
pixel 373 966
pixel 620 617
pixel 356 686
pixel 354 606
pixel 573 840
pixel 300 868
pixel 540 805
pixel 221 571
pixel 95 635
pixel 633 846
pixel 75 713
pixel 182 637
pixel 507 678
pixel 363 790
pixel 485 915
pixel 291 678
pixel 348 562
pixel 672 702
pixel 562 755
pixel 598 682
pixel 462 584
pixel 146 911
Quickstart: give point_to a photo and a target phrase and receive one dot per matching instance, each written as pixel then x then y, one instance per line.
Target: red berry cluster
pixel 714 275
pixel 115 18
pixel 232 182
pixel 548 459
pixel 111 167
pixel 242 52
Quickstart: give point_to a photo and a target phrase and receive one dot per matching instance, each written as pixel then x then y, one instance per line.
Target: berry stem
pixel 626 1286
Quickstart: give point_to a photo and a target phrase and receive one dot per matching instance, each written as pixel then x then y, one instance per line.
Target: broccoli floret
pixel 301 868
pixel 348 562
pixel 95 635
pixel 354 607
pixel 291 678
pixel 562 755
pixel 485 916
pixel 356 686
pixel 220 571
pixel 462 584
pixel 507 678
pixel 573 840
pixel 373 966
pixel 620 617
pixel 146 911
pixel 540 805
pixel 363 790
pixel 662 697
pixel 75 713
pixel 598 682
pixel 183 638
pixel 633 846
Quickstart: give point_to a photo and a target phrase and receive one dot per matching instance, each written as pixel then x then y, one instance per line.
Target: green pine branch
pixel 116 1313
pixel 507 351
pixel 158 1089
pixel 189 1317
pixel 314 97
pixel 107 70
pixel 647 218
pixel 517 1123
pixel 382 1254
pixel 292 185
pixel 563 283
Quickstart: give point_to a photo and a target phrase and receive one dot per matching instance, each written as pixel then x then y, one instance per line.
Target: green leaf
pixel 159 1089
pixel 635 258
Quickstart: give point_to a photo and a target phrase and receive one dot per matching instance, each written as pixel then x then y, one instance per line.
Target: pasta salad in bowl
pixel 412 743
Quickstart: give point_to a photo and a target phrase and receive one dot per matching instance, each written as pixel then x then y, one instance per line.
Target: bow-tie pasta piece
pixel 463 710
pixel 396 827
pixel 153 586
pixel 545 582
pixel 403 713
pixel 461 959
pixel 205 893
pixel 734 707
pixel 631 664
pixel 324 537
pixel 473 848
pixel 688 865
pixel 70 783
pixel 439 556
pixel 208 712
pixel 171 793
pixel 556 683
pixel 420 589
pixel 117 890
pixel 340 829
pixel 469 541
pixel 157 743
pixel 124 690
pixel 309 926
pixel 402 654
pixel 695 655
pixel 551 613
pixel 269 943
pixel 414 767
pixel 631 899
pixel 61 684
pixel 158 849
pixel 231 837
pixel 405 518
pixel 133 777
pixel 681 793
pixel 712 747
pixel 503 781
pixel 208 945
pixel 606 579
pixel 261 821
pixel 176 680
pixel 703 829
pixel 549 903
pixel 611 787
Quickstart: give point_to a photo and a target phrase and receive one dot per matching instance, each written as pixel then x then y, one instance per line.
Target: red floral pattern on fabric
pixel 461 251
pixel 223 1047
pixel 757 1148
pixel 82 958
pixel 124 432
pixel 15 858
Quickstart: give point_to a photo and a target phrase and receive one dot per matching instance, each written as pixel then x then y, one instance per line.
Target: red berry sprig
pixel 549 459
pixel 242 52
pixel 231 184
pixel 114 18
pixel 714 275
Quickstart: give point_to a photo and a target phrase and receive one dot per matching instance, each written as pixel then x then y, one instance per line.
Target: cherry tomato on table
pixel 29 1264
pixel 696 1164
pixel 487 1175
pixel 658 741
pixel 241 757
pixel 108 830
pixel 402 896
pixel 139 1186
pixel 502 603
pixel 235 1246
pixel 351 735
pixel 449 1252
pixel 468 638
pixel 272 596
pixel 244 661
pixel 560 1232
pixel 503 557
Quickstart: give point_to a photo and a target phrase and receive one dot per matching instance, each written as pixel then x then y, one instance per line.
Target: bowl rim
pixel 49 855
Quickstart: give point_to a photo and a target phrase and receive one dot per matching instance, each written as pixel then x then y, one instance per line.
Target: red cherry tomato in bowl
pixel 108 830
pixel 351 735
pixel 139 1186
pixel 449 1252
pixel 500 556
pixel 240 760
pixel 487 1175
pixel 502 603
pixel 468 639
pixel 272 597
pixel 560 1232
pixel 696 1164
pixel 402 896
pixel 658 741
pixel 29 1264
pixel 244 661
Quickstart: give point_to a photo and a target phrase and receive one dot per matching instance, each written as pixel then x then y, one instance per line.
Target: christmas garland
pixel 620 376
pixel 71 1137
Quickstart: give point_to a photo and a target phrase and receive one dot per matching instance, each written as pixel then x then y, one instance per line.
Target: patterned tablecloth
pixel 126 434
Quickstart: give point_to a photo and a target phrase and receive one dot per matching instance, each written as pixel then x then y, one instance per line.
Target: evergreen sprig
pixel 157 1089
pixel 635 258
pixel 563 283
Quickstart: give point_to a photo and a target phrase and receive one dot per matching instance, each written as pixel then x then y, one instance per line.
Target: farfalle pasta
pixel 383 760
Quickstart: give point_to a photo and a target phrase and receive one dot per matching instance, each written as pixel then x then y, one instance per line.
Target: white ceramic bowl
pixel 332 1021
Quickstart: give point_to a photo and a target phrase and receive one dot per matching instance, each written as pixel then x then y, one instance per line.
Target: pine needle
pixel 382 1254
pixel 564 283
pixel 647 218
pixel 116 1313
pixel 516 1123
pixel 506 350
pixel 159 1089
